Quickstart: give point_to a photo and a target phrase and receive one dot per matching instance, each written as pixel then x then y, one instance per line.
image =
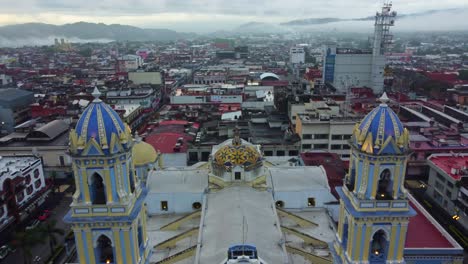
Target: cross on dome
pixel 96 93
pixel 384 99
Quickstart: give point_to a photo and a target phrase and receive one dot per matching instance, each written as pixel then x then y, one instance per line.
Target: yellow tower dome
pixel 143 153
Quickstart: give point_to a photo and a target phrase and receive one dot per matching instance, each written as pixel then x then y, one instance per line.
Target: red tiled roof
pixel 447 163
pixel 423 234
pixel 165 142
pixel 333 165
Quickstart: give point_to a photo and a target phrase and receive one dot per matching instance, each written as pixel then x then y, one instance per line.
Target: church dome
pixel 237 152
pixel 381 132
pixel 98 124
pixel 143 153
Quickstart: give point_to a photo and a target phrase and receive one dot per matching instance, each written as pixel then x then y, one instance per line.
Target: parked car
pixel 44 215
pixel 4 250
pixel 33 224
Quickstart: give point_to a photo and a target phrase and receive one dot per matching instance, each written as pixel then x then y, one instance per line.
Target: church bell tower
pixel 374 208
pixel 108 214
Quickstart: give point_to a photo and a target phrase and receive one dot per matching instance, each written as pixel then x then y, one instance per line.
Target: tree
pixel 463 75
pixel 26 240
pixel 49 229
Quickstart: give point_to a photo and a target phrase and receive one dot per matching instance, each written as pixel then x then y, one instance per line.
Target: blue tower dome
pixel 102 126
pixel 381 132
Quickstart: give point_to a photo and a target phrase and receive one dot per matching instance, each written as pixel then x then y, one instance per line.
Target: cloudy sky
pixel 201 15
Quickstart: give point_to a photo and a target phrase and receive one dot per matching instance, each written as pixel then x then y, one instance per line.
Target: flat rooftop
pixel 232 210
pixel 13 164
pixel 298 178
pixel 425 232
pixel 178 180
pixel 453 165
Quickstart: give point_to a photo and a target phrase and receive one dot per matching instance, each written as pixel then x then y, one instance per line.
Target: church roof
pixel 381 132
pixel 236 152
pixel 143 153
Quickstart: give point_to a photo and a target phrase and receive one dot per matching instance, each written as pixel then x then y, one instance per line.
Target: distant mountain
pixel 311 21
pixel 260 28
pixel 89 31
pixel 319 21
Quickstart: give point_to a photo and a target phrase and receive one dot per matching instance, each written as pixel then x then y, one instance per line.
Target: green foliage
pixel 463 75
pixel 50 230
pixel 86 52
pixel 56 254
pixel 26 240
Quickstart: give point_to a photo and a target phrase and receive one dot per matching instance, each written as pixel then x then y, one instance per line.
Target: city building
pixel 297 55
pixel 346 67
pixel 207 94
pixel 128 63
pixel 146 77
pixel 23 188
pixel 48 141
pixel 448 184
pixel 14 108
pixel 324 132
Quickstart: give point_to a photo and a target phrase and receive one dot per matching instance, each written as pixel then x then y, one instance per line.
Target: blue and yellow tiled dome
pixel 99 130
pixel 381 132
pixel 237 152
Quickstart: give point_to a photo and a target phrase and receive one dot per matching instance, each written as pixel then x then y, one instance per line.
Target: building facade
pixel 22 187
pixel 448 184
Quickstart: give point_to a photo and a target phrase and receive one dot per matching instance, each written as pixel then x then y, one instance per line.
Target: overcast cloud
pixel 201 15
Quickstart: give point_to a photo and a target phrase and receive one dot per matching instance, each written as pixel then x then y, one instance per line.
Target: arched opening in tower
pixel 378 248
pixel 385 186
pixel 132 181
pixel 140 235
pixel 97 190
pixel 345 233
pixel 104 250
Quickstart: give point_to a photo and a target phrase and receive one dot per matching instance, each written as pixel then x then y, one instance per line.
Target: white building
pixel 448 184
pixel 241 190
pixel 130 63
pixel 297 55
pixel 345 68
pixel 325 133
pixel 22 185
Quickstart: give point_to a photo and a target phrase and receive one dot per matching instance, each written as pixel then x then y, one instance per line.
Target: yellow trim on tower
pixel 376 179
pixel 349 247
pixel 396 177
pixel 86 186
pixel 89 240
pixel 127 245
pixel 365 254
pixel 80 249
pixel 108 186
pixel 391 249
pixel 118 245
pixel 401 241
pixel 357 248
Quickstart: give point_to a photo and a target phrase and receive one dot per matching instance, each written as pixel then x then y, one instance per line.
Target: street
pixel 42 250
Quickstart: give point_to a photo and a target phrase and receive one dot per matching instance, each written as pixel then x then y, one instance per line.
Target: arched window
pixel 345 233
pixel 131 181
pixel 385 186
pixel 104 250
pixel 36 173
pixel 351 178
pixel 280 204
pixel 97 190
pixel 140 235
pixel 196 205
pixel 378 248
